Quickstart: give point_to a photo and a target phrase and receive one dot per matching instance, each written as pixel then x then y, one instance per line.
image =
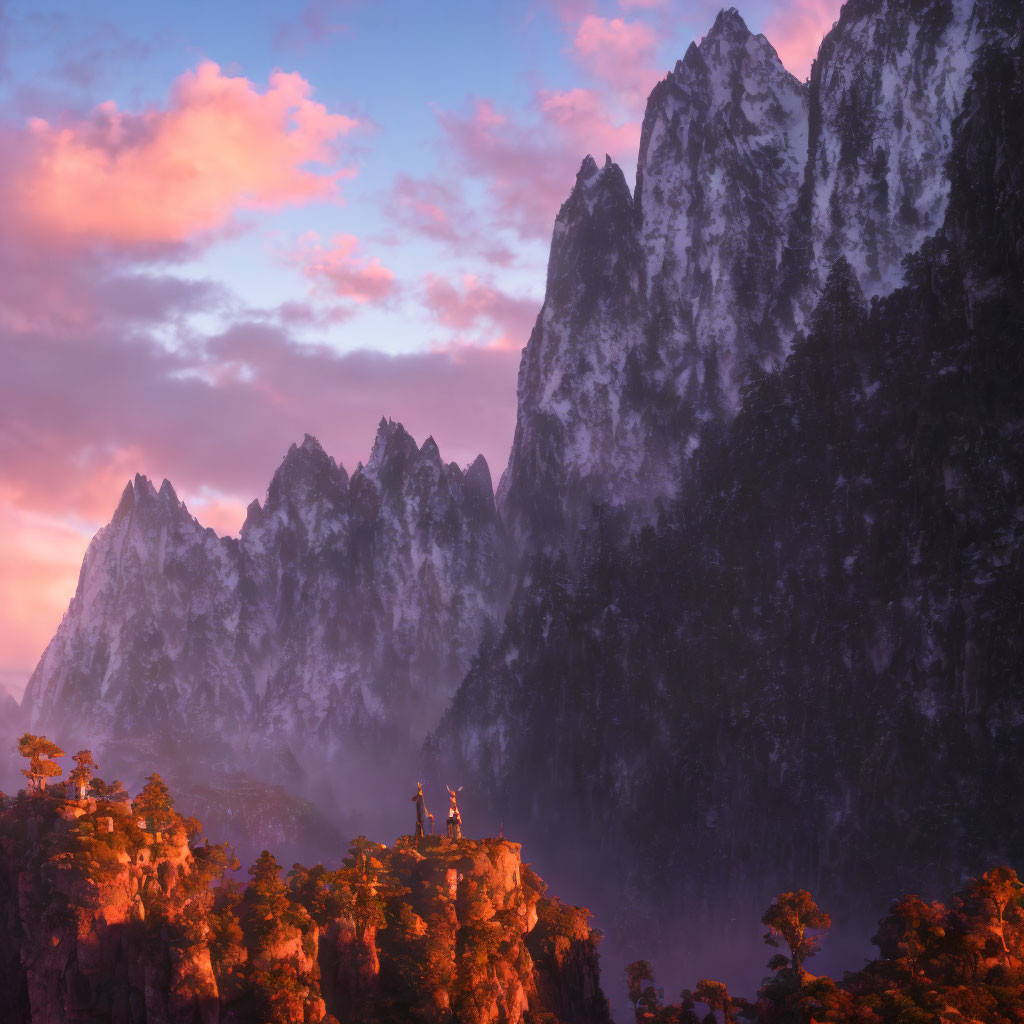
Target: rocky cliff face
pixel 348 606
pixel 722 152
pixel 106 919
pixel 809 673
pixel 885 89
pixel 749 186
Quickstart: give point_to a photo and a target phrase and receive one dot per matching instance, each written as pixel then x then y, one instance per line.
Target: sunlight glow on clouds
pixel 340 271
pixel 160 176
pixel 377 201
pixel 796 32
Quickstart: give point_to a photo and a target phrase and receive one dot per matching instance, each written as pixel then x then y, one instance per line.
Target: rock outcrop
pixel 107 918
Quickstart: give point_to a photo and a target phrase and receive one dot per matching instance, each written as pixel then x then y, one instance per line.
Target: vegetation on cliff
pixel 938 963
pixel 120 910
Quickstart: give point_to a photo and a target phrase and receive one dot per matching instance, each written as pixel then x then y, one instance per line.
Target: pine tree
pixel 155 804
pixel 81 774
pixel 716 996
pixel 789 917
pixel 40 751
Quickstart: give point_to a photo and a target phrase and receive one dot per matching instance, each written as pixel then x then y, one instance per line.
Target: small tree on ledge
pixel 154 804
pixel 788 918
pixel 81 774
pixel 40 753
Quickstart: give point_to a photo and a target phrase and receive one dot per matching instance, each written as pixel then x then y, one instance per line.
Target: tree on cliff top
pixel 81 774
pixel 154 803
pixel 40 751
pixel 1000 888
pixel 646 999
pixel 716 997
pixel 909 931
pixel 789 917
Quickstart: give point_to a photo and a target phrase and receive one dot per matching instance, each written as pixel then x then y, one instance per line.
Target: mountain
pixel 348 608
pixel 745 614
pixel 808 673
pixel 749 186
pixel 886 86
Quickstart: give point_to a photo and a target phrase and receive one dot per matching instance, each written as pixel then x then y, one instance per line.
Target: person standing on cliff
pixel 422 814
pixel 454 817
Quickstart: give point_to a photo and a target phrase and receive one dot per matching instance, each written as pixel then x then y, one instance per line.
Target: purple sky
pixel 229 224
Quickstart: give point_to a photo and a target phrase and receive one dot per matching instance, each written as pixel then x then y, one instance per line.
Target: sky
pixel 225 225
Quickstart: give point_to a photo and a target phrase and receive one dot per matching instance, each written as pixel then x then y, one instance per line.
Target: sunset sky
pixel 228 224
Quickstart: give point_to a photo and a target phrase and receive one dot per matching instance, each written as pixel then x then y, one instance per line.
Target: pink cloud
pixel 317 22
pixel 797 29
pixel 83 411
pixel 220 145
pixel 614 42
pixel 432 208
pixel 479 304
pixel 528 166
pixel 41 556
pixel 621 54
pixel 338 271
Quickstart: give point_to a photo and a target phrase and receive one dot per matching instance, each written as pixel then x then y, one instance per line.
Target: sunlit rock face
pixel 109 917
pixel 346 604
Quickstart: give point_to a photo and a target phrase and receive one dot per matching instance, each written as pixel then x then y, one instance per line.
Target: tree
pixel 790 916
pixel 716 996
pixel 642 993
pixel 82 772
pixel 155 804
pixel 40 751
pixel 999 887
pixel 266 897
pixel 910 929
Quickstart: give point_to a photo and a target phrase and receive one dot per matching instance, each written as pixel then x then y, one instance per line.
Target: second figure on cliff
pixel 454 817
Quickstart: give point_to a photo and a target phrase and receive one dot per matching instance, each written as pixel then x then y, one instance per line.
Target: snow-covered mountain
pixel 831 599
pixel 809 672
pixel 347 606
pixel 887 84
pixel 749 186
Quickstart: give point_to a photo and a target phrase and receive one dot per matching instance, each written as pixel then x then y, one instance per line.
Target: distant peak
pixel 729 24
pixel 391 437
pixel 127 503
pixel 591 175
pixel 478 473
pixel 310 451
pixel 167 491
pixel 430 450
pixel 387 430
pixel 304 466
pixel 144 487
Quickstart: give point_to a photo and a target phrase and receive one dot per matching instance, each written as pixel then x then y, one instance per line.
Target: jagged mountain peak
pixel 140 496
pixel 729 29
pixel 592 174
pixel 306 473
pixel 588 170
pixel 392 448
pixel 311 444
pixel 478 475
pixel 430 451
